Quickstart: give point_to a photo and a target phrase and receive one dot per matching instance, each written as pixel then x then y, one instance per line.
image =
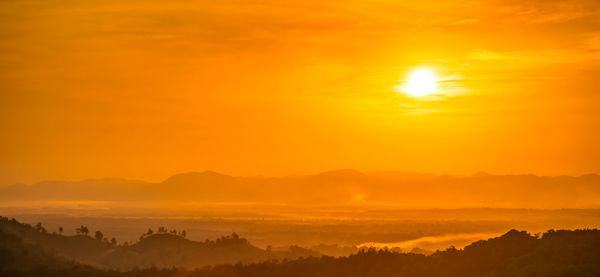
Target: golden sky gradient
pixel 146 89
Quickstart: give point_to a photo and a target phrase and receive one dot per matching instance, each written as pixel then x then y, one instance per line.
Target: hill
pixel 342 187
pixel 516 253
pixel 162 249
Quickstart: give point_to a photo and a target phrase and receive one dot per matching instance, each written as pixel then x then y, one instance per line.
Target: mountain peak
pixel 194 177
pixel 346 172
pixel 482 174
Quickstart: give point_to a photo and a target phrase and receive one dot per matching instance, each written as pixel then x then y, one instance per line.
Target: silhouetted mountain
pixel 206 178
pixel 91 189
pixel 341 187
pixel 342 175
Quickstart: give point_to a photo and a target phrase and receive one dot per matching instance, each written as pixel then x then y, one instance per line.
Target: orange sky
pixel 146 89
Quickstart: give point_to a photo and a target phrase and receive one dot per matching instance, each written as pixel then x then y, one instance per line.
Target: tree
pixel 83 230
pixel 113 241
pixel 60 230
pixel 98 235
pixel 183 233
pixel 40 228
pixel 150 231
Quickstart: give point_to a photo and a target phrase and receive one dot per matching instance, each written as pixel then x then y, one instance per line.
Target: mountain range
pixel 341 187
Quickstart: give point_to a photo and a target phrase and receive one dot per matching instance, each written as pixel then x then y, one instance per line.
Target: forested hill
pixel 156 249
pixel 516 253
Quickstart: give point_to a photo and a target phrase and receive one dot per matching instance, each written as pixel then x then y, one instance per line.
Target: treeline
pixel 83 230
pixel 555 253
pixel 165 248
pixel 163 230
pixel 516 253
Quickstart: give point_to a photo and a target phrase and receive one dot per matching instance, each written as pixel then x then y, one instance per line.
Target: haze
pixel 299 138
pixel 148 89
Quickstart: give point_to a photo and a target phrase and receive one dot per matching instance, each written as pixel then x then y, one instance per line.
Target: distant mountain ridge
pixel 340 187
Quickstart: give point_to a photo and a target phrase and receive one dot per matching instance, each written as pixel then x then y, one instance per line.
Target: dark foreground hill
pixel 516 253
pixel 158 250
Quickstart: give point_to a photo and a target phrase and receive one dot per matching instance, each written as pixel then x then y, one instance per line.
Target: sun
pixel 420 83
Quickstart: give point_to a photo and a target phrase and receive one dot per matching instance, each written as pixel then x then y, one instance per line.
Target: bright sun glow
pixel 421 83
